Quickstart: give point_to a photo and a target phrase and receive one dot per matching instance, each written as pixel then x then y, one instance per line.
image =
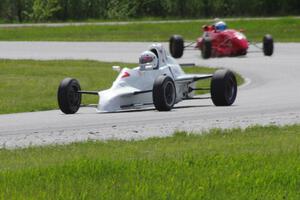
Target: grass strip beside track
pixel 27 85
pixel 283 29
pixel 258 163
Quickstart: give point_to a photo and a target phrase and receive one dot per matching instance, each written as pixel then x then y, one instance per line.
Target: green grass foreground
pixel 283 30
pixel 27 85
pixel 258 163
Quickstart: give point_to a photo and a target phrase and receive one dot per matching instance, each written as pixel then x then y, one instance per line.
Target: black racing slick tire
pixel 244 53
pixel 223 88
pixel 164 93
pixel 268 45
pixel 176 45
pixel 69 99
pixel 206 48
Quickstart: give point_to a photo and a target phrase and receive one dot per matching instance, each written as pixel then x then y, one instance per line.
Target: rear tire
pixel 206 48
pixel 164 93
pixel 176 45
pixel 69 99
pixel 223 88
pixel 268 45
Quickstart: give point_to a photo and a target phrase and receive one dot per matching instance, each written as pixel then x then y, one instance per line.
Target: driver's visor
pixel 146 59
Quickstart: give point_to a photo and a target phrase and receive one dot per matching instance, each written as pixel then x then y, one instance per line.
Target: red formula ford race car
pixel 218 41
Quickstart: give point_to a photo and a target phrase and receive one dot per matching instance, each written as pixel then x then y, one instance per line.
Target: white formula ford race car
pixel 158 81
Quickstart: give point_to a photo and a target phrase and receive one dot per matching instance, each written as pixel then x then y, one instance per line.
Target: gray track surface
pixel 270 96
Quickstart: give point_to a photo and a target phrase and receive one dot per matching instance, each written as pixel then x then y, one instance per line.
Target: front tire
pixel 223 88
pixel 243 53
pixel 206 48
pixel 176 45
pixel 164 93
pixel 268 45
pixel 69 99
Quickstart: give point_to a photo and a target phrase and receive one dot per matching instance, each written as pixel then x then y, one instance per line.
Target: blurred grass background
pixel 282 29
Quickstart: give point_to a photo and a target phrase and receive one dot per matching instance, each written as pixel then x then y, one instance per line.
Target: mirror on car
pixel 116 68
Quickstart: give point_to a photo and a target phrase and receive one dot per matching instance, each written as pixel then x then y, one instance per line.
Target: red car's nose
pixel 241 43
pixel 244 44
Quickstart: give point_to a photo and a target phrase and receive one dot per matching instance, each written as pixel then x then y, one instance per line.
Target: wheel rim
pixel 74 97
pixel 169 93
pixel 173 49
pixel 230 90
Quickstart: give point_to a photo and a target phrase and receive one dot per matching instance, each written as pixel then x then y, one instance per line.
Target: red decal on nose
pixel 126 74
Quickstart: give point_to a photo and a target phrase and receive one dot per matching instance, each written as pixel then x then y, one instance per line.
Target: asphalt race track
pixel 270 96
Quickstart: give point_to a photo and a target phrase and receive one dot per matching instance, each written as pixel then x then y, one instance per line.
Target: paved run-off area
pixel 270 96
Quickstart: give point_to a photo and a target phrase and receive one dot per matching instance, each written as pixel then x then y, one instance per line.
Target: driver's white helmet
pixel 148 60
pixel 221 26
